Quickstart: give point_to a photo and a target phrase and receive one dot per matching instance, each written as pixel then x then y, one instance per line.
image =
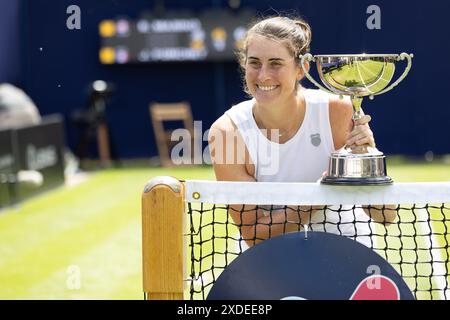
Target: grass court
pixel 93 229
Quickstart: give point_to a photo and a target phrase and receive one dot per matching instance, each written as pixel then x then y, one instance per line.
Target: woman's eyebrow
pixel 271 59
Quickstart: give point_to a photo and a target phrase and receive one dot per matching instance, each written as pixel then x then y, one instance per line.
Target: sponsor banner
pixel 40 148
pixel 7 168
pixel 312 266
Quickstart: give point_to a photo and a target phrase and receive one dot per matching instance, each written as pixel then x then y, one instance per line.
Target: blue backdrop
pixel 10 39
pixel 55 65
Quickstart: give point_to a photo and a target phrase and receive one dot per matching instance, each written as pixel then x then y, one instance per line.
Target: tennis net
pixel 416 243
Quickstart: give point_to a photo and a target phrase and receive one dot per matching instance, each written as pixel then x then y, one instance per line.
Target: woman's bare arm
pixel 254 225
pixel 345 132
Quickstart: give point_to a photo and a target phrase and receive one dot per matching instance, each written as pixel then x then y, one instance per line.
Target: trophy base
pixel 357 181
pixel 347 168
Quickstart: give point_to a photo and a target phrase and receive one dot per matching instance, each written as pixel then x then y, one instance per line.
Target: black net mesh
pixel 416 244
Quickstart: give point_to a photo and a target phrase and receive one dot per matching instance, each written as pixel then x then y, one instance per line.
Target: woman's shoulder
pixel 340 113
pixel 340 110
pixel 342 107
pixel 226 121
pixel 224 124
pixel 242 106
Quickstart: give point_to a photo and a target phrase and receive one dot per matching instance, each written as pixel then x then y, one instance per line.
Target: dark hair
pixel 294 33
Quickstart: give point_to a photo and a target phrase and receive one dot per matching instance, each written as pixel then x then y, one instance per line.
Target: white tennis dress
pixel 303 158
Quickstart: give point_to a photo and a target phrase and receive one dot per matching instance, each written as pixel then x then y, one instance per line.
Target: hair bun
pixel 307 35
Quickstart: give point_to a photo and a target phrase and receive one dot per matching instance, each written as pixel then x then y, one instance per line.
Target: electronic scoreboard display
pixel 210 36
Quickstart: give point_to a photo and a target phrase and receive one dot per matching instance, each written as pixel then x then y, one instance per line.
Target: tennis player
pixel 285 133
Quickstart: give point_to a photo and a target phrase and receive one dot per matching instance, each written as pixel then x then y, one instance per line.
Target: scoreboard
pixel 209 36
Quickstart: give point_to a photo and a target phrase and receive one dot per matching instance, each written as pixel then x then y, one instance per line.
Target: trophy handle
pixel 402 56
pixel 309 57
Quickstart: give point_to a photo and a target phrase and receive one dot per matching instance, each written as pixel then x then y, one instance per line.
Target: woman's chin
pixel 263 97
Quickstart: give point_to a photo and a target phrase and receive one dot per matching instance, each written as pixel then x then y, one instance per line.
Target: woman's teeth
pixel 266 88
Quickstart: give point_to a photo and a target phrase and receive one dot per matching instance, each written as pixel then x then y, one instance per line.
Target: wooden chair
pixel 161 112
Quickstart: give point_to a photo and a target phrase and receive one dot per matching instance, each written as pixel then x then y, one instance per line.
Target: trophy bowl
pixel 359 75
pixel 356 76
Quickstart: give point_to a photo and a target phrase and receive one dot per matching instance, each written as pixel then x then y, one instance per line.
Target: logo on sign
pixel 6 161
pixel 40 158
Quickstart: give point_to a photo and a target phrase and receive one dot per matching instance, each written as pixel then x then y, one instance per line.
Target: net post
pixel 163 250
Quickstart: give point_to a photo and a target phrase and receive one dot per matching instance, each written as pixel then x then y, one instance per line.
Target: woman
pixel 285 133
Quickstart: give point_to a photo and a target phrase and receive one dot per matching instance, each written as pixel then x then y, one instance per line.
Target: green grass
pixel 96 228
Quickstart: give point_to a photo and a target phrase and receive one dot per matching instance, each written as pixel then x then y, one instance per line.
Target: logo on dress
pixel 315 139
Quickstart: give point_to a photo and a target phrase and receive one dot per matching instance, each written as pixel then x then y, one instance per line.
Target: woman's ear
pixel 300 73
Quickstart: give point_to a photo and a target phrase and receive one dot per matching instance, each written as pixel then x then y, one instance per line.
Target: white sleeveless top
pixel 303 158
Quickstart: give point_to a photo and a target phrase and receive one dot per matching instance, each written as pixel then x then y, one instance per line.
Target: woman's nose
pixel 263 74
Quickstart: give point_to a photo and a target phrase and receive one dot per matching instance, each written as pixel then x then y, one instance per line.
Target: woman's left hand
pixel 361 135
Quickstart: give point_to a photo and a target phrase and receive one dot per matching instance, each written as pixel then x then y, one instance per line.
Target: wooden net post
pixel 163 250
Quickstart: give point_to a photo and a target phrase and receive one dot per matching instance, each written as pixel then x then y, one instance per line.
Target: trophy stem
pixel 356 102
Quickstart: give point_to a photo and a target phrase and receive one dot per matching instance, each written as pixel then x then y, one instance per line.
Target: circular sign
pixel 320 266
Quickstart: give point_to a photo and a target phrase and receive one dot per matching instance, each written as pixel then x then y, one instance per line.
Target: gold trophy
pixel 357 76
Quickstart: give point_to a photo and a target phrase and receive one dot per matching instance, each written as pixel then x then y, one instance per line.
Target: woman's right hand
pixel 361 136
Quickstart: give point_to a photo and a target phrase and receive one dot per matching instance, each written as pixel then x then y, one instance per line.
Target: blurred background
pixel 90 91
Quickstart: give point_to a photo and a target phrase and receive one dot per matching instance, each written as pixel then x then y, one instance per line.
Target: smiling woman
pixel 285 133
